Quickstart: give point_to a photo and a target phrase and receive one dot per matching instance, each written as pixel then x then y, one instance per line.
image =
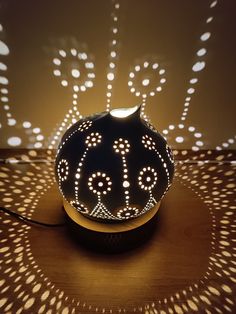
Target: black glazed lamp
pixel 113 167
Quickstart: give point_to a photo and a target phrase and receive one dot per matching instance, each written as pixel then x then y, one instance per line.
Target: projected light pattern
pixel 76 71
pixel 113 52
pixel 21 269
pixel 35 291
pixel 226 144
pixel 143 80
pixel 16 134
pixel 197 67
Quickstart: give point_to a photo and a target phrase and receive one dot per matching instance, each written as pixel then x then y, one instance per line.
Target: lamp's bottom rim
pixel 104 227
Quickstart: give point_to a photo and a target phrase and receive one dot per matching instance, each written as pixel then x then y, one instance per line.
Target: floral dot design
pixel 85 125
pixel 148 142
pixel 80 207
pixel 99 183
pixel 93 139
pixel 63 170
pixel 128 212
pixel 121 146
pixel 147 178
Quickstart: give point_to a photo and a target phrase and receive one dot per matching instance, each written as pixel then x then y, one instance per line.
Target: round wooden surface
pixel 109 227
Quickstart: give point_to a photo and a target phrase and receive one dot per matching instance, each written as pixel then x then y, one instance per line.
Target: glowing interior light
pixel 205 36
pixel 57 72
pixel 115 30
pixel 190 90
pixel 126 184
pixel 56 61
pixel 4 99
pixel 110 76
pixel 171 127
pixel 14 141
pixel 209 20
pixel 89 65
pixel 112 65
pixel 191 129
pixel 113 54
pixel 38 145
pixel 76 88
pixel 73 52
pixel 26 124
pixel 1 28
pixel 75 73
pixel 4 91
pixel 11 121
pixel 214 3
pixel 4 50
pixel 82 56
pixel 36 130
pixel 131 74
pixel 181 126
pixel 82 88
pixel 193 80
pixel 179 139
pixel 3 66
pixel 198 66
pixel 91 75
pixel 3 80
pixel 162 71
pixel 145 82
pixel 195 148
pixel 123 112
pixel 88 84
pixel 199 143
pixel 201 52
pixel 137 68
pixel 64 83
pixel 155 66
pixel 62 53
pixel 145 64
pixel 198 135
pixel 39 137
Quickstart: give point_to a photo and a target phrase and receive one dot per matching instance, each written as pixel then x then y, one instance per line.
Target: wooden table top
pixel 187 265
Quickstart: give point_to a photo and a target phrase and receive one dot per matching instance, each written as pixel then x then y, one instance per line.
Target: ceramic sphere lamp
pixel 112 170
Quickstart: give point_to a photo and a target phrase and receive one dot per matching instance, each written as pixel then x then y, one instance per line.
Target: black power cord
pixel 29 220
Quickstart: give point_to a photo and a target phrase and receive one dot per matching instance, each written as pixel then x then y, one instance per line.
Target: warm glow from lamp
pixel 123 112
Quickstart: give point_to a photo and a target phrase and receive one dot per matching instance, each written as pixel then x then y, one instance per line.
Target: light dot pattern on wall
pixel 143 80
pixel 112 52
pixel 75 70
pixel 197 67
pixel 15 133
pixel 180 136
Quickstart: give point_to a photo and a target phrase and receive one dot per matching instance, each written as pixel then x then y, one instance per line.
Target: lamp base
pixel 111 236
